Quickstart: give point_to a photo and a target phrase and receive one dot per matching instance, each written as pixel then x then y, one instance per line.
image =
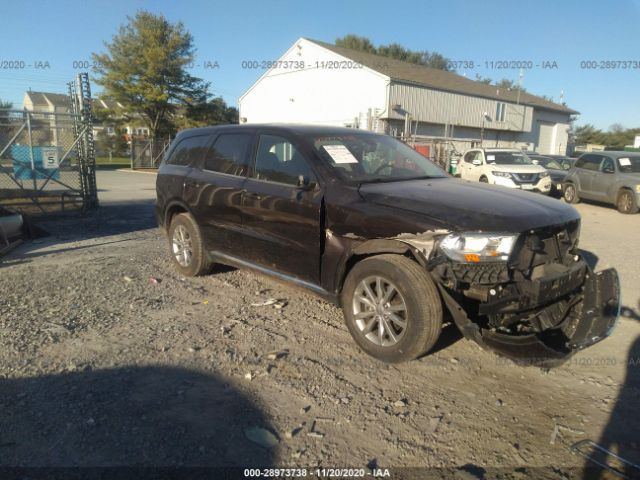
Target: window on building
pixel 229 154
pixel 501 109
pixel 278 160
pixel 190 150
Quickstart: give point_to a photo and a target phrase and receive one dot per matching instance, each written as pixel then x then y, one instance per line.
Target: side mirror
pixel 304 183
pixel 477 162
pixel 608 170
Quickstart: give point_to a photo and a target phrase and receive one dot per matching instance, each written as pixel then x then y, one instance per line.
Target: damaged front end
pixel 536 305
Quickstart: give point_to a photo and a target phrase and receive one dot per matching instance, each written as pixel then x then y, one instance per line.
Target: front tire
pixel 484 179
pixel 626 202
pixel 188 253
pixel 392 308
pixel 570 194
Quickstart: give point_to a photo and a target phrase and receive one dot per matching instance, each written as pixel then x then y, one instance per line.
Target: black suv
pixel 366 222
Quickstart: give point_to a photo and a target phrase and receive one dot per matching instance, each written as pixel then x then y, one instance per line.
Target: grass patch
pixel 113 163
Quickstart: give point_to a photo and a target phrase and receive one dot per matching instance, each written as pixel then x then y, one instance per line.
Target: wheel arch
pixel 174 208
pixel 375 247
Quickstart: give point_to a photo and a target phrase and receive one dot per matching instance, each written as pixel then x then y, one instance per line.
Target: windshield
pixel 547 162
pixel 508 158
pixel 629 164
pixel 368 157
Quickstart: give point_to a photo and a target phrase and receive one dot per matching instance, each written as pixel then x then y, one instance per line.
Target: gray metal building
pixel 333 85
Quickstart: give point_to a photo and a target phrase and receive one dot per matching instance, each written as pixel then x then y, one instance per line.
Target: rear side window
pixel 189 150
pixel 229 154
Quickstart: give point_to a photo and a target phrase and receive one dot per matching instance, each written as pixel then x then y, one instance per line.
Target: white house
pixel 320 83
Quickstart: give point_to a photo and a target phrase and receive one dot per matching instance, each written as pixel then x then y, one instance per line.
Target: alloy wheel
pixel 380 311
pixel 625 202
pixel 182 245
pixel 569 193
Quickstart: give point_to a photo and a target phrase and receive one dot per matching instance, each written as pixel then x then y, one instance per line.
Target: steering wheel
pixel 384 165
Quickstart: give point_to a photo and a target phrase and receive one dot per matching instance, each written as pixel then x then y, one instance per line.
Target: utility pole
pixel 520 77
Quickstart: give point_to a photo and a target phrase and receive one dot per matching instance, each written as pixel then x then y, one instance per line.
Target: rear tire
pixel 626 202
pixel 188 252
pixel 570 193
pixel 400 317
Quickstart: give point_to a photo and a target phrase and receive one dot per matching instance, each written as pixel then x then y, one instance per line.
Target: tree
pixel 106 144
pixel 588 134
pixel 509 85
pixel 395 51
pixel 5 122
pixel 211 112
pixel 482 79
pixel 145 69
pixel 354 42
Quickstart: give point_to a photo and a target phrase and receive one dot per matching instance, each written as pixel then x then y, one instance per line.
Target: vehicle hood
pixel 516 168
pixel 557 174
pixel 463 205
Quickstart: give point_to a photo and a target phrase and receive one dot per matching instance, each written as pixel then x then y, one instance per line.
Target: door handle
pixel 253 196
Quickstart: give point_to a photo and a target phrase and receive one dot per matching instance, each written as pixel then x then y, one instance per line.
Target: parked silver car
pixel 611 177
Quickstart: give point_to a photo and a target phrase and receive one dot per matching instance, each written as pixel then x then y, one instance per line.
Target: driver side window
pixel 278 160
pixel 471 156
pixel 607 165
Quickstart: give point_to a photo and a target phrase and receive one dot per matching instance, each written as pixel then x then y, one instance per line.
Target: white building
pixel 319 83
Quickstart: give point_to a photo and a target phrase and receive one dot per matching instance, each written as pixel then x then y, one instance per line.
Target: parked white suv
pixel 507 167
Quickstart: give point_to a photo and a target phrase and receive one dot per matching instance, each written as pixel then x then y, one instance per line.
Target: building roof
pixel 440 79
pixel 43 98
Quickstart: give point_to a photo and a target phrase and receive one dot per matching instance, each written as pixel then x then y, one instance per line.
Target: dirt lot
pixel 110 358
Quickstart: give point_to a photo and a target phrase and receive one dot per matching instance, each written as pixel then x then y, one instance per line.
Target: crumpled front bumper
pixel 596 314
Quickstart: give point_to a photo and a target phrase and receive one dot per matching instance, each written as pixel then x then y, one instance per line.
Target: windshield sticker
pixel 490 157
pixel 625 162
pixel 340 154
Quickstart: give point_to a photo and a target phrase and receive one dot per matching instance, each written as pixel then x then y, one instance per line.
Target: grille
pixel 525 177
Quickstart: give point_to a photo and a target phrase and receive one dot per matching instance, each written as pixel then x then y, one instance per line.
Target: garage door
pixel 545 137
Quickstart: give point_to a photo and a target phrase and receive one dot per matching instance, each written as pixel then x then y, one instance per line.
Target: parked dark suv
pixel 368 223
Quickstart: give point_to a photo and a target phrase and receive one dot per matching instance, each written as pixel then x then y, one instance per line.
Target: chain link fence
pixel 39 162
pixel 148 153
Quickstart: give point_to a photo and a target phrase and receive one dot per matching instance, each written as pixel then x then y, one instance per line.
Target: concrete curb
pixel 128 170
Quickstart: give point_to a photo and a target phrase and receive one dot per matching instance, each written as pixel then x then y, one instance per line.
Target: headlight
pixel 478 247
pixel 544 174
pixel 502 174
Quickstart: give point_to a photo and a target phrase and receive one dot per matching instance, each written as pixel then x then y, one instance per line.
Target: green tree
pixel 482 79
pixel 355 42
pixel 509 85
pixel 212 112
pixel 588 134
pixel 395 51
pixel 145 69
pixel 6 128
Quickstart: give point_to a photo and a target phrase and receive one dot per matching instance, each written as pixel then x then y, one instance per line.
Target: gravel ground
pixel 110 358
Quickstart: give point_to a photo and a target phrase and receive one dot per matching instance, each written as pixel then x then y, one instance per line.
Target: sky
pixel 43 44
